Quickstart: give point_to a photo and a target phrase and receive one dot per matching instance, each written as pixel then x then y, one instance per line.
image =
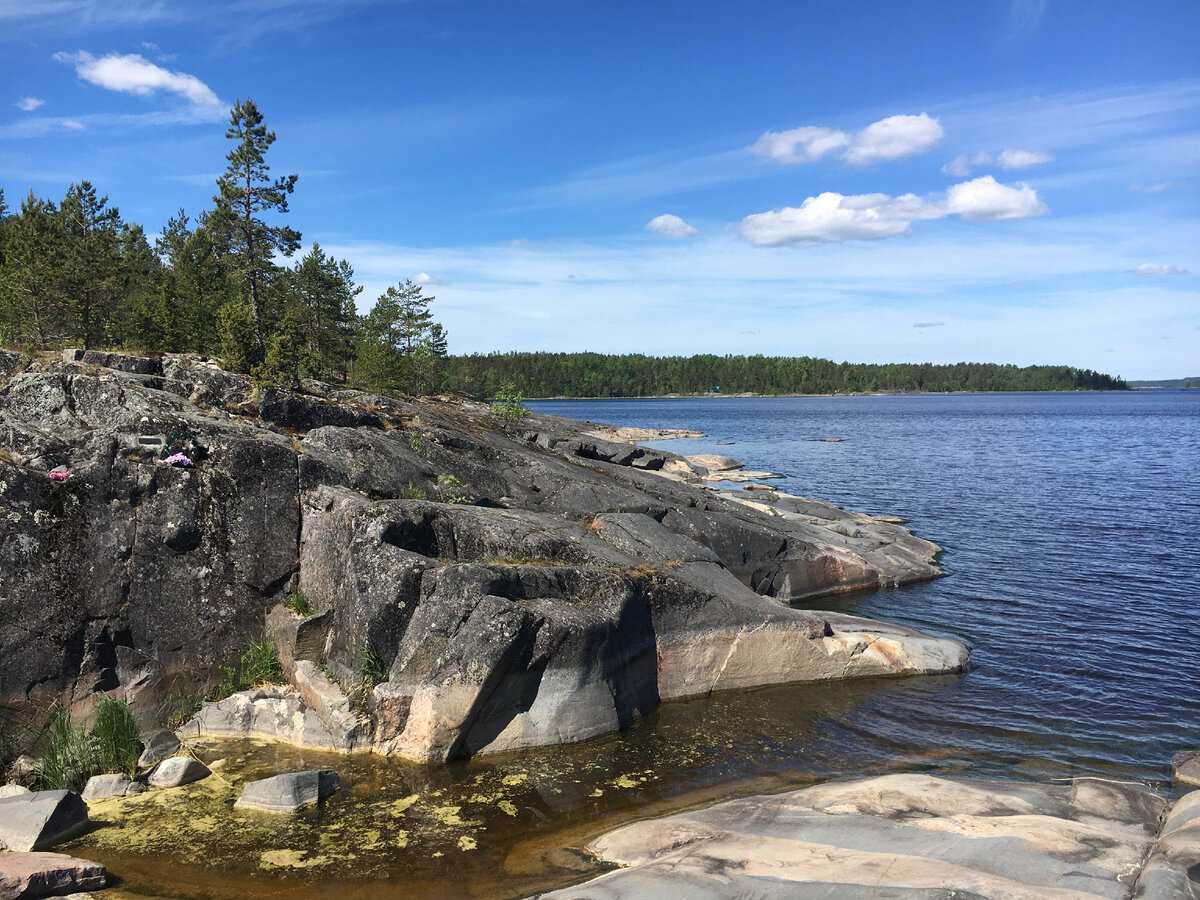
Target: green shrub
pixel 69 757
pixel 510 405
pixel 371 673
pixel 450 484
pixel 411 493
pixel 258 665
pixel 299 604
pixel 116 735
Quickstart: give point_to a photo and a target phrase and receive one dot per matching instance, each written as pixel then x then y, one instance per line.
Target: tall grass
pixel 259 665
pixel 71 754
pixel 8 744
pixel 116 736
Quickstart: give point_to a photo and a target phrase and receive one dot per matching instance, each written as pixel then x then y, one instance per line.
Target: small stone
pixel 289 792
pixel 47 874
pixel 1185 768
pixel 158 746
pixel 101 786
pixel 136 787
pixel 41 819
pixel 178 770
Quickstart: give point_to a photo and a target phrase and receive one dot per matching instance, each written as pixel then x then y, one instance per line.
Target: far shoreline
pixel 753 396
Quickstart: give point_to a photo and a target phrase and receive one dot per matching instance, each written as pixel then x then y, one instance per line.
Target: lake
pixel 1070 523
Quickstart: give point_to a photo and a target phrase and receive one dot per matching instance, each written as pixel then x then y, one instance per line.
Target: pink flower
pixel 58 476
pixel 178 459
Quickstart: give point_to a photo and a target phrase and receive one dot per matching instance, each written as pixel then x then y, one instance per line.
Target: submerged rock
pixel 177 771
pixel 47 875
pixel 41 819
pixel 912 836
pixel 289 792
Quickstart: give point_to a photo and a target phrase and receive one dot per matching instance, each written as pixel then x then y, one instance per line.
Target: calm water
pixel 1071 524
pixel 1072 529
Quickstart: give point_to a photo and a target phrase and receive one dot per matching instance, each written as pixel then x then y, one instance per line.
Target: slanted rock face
pixel 503 585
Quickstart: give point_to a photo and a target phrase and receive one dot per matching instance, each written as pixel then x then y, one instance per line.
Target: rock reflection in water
pixel 498 826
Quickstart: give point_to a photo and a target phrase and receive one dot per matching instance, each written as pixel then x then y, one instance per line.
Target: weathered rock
pixel 912 836
pixel 176 771
pixel 47 875
pixel 13 790
pixel 1185 768
pixel 101 786
pixel 289 792
pixel 1173 870
pixel 41 819
pixel 158 746
pixel 608 586
pixel 268 713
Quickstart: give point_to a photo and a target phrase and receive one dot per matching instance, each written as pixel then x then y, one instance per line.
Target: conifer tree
pixel 90 270
pixel 246 193
pixel 31 307
pixel 321 290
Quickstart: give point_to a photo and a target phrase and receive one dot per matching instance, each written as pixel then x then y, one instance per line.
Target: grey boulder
pixel 289 792
pixel 47 875
pixel 1185 768
pixel 101 786
pixel 178 770
pixel 41 819
pixel 158 746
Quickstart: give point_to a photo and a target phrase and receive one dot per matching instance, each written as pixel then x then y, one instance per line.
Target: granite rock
pixel 176 771
pixel 41 819
pixel 290 792
pixel 47 875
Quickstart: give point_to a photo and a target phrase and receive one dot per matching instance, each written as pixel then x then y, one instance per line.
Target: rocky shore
pixel 481 585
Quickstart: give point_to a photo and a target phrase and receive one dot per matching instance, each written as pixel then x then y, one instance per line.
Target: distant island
pixel 634 375
pixel 1193 382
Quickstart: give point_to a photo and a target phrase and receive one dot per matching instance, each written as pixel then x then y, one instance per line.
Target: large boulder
pixel 100 786
pixel 41 819
pixel 912 836
pixel 47 875
pixel 176 771
pixel 290 792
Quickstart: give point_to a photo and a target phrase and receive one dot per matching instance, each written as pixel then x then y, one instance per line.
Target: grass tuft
pixel 116 736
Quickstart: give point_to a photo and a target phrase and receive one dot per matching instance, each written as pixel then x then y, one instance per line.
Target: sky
pixel 1012 181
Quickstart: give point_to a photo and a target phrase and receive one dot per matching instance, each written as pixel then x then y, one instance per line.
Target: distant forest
pixel 631 375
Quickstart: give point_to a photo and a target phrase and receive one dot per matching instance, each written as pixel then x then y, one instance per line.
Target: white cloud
pixel 427 278
pixel 986 200
pixel 133 74
pixel 928 324
pixel 72 124
pixel 1158 269
pixel 1023 158
pixel 959 167
pixel 29 104
pixel 800 145
pixel 832 218
pixel 887 139
pixel 671 226
pixel 893 138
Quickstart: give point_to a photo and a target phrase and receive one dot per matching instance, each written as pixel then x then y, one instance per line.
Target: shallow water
pixel 1069 521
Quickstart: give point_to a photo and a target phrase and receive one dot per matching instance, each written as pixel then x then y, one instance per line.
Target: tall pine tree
pixel 246 194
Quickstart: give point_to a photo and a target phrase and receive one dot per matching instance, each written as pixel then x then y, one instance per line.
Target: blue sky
pixel 996 180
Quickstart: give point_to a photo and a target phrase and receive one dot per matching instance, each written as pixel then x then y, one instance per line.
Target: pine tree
pixel 322 291
pixel 246 193
pixel 32 310
pixel 91 262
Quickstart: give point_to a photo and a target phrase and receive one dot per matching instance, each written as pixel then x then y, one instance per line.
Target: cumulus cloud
pixel 671 226
pixel 985 200
pixel 428 278
pixel 29 104
pixel 891 138
pixel 133 74
pixel 1022 158
pixel 1158 269
pixel 832 217
pixel 959 167
pixel 928 324
pixel 799 145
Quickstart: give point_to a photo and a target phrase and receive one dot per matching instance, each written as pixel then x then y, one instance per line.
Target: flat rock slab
pixel 289 792
pixel 1185 769
pixel 47 875
pixel 41 819
pixel 13 790
pixel 178 770
pixel 900 836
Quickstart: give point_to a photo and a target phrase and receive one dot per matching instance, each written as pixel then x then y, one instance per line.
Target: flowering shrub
pixel 178 460
pixel 58 476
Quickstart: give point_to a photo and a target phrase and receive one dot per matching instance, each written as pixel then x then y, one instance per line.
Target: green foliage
pixel 236 328
pixel 116 736
pixel 450 484
pixel 415 444
pixel 69 755
pixel 8 739
pixel 510 405
pixel 299 604
pixel 281 366
pixel 371 673
pixel 635 375
pixel 183 701
pixel 400 347
pixel 411 493
pixel 259 665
